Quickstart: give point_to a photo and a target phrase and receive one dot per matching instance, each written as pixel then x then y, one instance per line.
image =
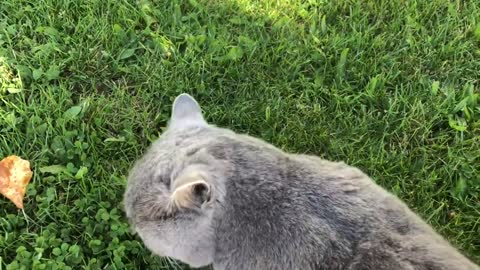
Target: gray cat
pixel 207 196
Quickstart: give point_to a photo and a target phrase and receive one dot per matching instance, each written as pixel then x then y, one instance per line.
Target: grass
pixel 389 86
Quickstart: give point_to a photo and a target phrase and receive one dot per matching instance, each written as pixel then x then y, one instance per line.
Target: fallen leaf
pixel 15 174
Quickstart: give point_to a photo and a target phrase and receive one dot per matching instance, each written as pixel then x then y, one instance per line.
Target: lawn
pixel 391 87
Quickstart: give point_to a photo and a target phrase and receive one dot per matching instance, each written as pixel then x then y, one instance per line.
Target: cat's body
pixel 206 195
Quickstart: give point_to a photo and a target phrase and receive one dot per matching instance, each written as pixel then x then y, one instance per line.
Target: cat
pixel 207 196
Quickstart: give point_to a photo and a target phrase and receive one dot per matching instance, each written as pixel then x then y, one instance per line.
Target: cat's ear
pixel 191 191
pixel 186 113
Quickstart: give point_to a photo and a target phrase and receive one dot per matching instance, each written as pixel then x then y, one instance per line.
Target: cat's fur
pixel 206 195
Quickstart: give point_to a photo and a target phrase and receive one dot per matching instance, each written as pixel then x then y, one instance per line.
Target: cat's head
pixel 174 189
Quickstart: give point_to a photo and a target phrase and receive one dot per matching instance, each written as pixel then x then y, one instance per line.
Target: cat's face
pixel 173 189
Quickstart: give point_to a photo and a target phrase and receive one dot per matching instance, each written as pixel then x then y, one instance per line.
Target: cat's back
pixel 301 212
pixel 265 221
pixel 388 234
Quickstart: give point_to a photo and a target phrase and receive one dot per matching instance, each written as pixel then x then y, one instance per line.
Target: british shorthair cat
pixel 208 196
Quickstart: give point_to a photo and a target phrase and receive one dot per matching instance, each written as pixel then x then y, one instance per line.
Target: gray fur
pixel 261 208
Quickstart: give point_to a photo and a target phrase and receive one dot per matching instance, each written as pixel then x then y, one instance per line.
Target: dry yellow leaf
pixel 15 174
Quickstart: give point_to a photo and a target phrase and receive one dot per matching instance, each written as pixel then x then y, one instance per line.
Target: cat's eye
pixel 163 179
pixel 167 182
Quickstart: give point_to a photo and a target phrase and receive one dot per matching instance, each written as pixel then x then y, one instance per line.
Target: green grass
pixel 389 86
